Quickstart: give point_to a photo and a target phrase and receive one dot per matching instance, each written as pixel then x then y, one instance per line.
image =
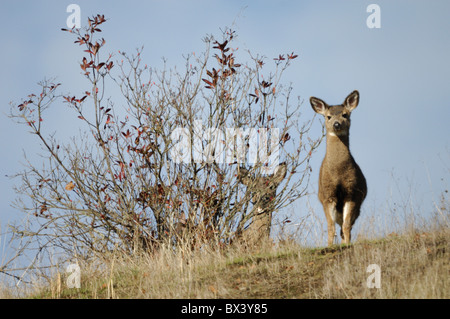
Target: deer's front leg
pixel 330 213
pixel 349 208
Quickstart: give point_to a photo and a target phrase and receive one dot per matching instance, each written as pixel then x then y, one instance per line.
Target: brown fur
pixel 264 191
pixel 341 181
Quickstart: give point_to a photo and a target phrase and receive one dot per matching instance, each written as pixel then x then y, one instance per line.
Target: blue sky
pixel 399 133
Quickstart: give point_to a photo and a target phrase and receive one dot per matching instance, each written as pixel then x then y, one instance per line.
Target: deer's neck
pixel 338 149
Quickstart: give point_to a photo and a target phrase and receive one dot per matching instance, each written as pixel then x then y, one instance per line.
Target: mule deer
pixel 342 186
pixel 264 191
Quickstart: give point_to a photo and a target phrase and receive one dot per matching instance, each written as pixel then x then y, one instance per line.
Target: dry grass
pixel 413 265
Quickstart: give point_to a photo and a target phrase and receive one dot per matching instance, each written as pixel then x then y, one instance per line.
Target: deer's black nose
pixel 337 125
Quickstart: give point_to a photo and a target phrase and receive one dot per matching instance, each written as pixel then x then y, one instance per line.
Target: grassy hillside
pixel 413 265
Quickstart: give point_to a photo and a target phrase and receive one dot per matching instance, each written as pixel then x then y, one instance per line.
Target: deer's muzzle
pixel 337 126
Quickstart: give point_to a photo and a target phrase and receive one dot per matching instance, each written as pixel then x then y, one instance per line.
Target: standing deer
pixel 342 186
pixel 264 191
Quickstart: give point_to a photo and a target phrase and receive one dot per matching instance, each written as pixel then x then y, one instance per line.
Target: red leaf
pixel 70 186
pixel 207 82
pixel 292 56
pixel 127 134
pixel 95 48
pixel 99 66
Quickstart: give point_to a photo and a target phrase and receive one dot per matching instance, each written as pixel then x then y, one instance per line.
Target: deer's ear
pixel 318 105
pixel 280 173
pixel 352 100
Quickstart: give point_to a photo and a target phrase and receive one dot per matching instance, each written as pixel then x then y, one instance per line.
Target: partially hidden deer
pixel 342 185
pixel 263 189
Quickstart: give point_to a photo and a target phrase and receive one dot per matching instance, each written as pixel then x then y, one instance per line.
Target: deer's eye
pixel 345 115
pixel 329 117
